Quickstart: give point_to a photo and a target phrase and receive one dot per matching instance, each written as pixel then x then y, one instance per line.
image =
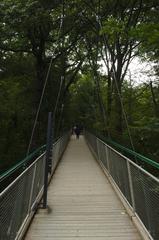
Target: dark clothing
pixel 77 131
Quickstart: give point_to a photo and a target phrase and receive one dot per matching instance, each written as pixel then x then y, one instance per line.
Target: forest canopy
pixel 58 47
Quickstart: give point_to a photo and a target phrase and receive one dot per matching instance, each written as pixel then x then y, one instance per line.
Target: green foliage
pixel 82 106
pixel 144 128
pixel 145 141
pixel 114 29
pixel 148 34
pixel 14 123
pixel 29 33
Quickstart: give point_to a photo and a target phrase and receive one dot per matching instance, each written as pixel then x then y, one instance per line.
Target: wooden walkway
pixel 82 203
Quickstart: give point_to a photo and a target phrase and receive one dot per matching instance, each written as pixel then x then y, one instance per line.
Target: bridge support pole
pixel 48 150
pixel 131 186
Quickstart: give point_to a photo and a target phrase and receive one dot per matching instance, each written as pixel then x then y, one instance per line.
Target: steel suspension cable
pixel 123 110
pixel 120 98
pixel 63 67
pixel 43 90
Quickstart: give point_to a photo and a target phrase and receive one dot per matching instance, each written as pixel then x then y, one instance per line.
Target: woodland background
pixel 76 36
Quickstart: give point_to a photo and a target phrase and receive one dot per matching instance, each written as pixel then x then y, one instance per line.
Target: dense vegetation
pixel 64 43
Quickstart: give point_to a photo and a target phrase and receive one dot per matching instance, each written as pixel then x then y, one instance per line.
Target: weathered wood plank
pixel 82 203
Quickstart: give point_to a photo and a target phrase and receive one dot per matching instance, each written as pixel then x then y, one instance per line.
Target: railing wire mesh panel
pixel 17 201
pixel 139 188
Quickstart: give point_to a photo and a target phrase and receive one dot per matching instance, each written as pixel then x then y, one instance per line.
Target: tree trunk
pixel 118 97
pixel 155 104
pixel 41 74
pixel 39 131
pixel 130 103
pixel 118 108
pixel 100 100
pixel 109 101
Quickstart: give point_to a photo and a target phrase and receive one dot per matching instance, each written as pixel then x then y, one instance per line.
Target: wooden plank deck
pixel 82 203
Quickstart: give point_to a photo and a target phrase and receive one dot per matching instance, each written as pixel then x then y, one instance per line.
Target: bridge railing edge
pixel 102 152
pixel 20 199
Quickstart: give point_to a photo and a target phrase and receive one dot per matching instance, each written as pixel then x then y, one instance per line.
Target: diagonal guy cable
pixel 43 91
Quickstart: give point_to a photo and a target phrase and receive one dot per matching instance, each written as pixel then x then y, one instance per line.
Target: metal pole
pixel 48 149
pixel 107 159
pixel 131 186
pixel 52 145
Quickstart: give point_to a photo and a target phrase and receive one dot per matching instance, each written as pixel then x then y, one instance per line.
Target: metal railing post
pixel 98 149
pixel 32 188
pixel 48 150
pixel 131 186
pixel 107 159
pixel 51 160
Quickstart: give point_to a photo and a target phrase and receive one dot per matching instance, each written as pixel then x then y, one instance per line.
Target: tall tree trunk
pixel 118 97
pixel 109 101
pixel 41 74
pixel 39 131
pixel 155 104
pixel 130 103
pixel 100 100
pixel 118 108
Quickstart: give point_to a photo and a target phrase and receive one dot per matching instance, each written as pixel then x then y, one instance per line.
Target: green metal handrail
pixel 134 154
pixel 22 163
pixel 124 151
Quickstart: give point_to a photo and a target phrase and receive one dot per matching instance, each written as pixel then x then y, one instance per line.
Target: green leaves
pixel 110 30
pixel 117 30
pixel 112 26
pixel 148 34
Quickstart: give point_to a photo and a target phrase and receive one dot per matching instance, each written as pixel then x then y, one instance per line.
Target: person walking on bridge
pixel 77 131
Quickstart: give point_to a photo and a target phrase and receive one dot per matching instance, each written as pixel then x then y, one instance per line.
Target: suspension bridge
pixel 94 192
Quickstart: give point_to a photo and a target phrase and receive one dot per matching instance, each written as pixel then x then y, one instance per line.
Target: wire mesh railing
pixel 19 200
pixel 139 188
pixel 145 162
pixel 9 175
